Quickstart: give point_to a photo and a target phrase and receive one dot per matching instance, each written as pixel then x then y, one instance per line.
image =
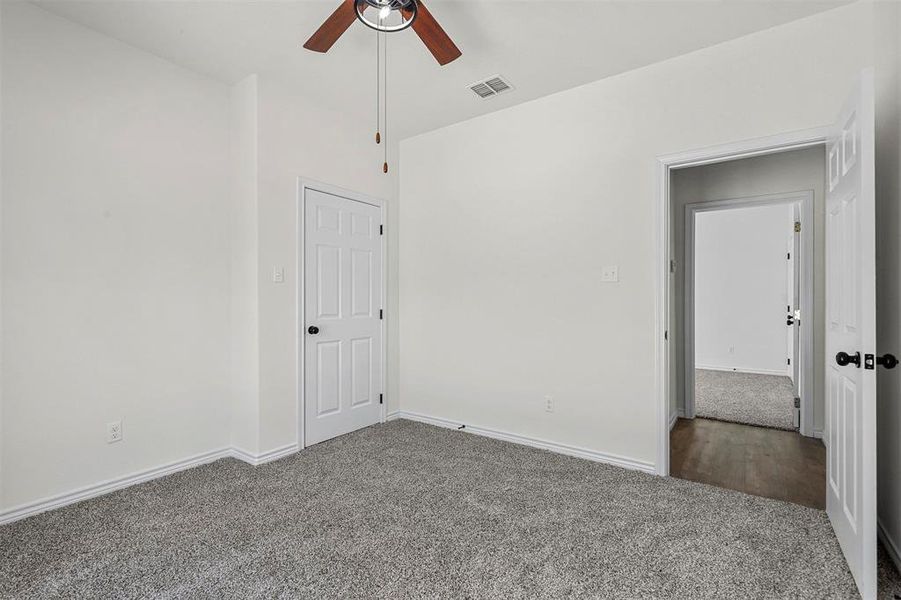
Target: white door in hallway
pixel 850 434
pixel 793 327
pixel 793 314
pixel 342 325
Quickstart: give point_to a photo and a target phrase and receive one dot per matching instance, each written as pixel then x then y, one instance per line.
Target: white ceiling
pixel 541 46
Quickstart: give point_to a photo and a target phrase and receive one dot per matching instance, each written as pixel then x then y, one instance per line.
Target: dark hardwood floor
pixel 765 462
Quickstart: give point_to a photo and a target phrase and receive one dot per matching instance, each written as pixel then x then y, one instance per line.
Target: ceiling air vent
pixel 491 87
pixel 482 90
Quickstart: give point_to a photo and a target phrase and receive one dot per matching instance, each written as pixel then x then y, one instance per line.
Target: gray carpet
pixel 762 400
pixel 405 510
pixel 889 577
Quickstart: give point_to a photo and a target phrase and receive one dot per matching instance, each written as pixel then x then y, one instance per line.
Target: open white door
pixel 851 335
pixel 792 316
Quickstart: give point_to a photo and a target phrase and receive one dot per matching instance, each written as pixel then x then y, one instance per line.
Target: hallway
pixel 762 400
pixel 765 462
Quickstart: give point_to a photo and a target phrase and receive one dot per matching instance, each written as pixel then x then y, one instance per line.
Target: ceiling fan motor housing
pixel 386 15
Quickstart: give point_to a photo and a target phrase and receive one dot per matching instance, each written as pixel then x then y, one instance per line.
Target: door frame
pixel 304 184
pixel 806 267
pixel 663 296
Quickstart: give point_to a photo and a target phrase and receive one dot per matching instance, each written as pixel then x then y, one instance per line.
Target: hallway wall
pixel 741 289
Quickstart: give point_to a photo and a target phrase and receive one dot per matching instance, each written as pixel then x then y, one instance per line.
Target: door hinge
pixel 381 399
pixel 381 230
pixel 672 266
pixel 797 226
pixel 666 335
pixel 797 402
pixel 788 256
pixel 381 314
pixel 789 360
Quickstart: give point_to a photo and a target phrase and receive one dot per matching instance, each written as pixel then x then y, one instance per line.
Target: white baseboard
pixel 111 485
pixel 781 373
pixel 672 420
pixel 603 457
pixel 818 433
pixel 265 457
pixel 92 491
pixel 893 549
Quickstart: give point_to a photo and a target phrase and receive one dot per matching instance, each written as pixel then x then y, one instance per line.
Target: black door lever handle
pixel 844 359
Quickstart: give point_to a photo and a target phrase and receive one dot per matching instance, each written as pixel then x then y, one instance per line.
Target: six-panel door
pixel 342 295
pixel 850 434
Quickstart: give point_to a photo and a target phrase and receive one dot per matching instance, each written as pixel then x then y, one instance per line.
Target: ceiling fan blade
pixel 329 32
pixel 434 37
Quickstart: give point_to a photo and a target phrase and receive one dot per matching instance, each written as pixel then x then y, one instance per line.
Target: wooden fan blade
pixel 329 32
pixel 434 37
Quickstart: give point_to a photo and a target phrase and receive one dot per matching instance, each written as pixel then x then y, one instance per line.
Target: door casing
pixel 663 297
pixel 304 184
pixel 805 199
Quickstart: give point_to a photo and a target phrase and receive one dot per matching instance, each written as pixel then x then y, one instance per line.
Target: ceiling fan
pixel 387 16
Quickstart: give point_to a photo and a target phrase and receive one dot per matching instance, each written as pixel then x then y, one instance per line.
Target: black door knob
pixel 887 360
pixel 312 330
pixel 843 359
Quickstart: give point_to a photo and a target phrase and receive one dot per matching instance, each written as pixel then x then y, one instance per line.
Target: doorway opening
pixel 748 276
pixel 746 326
pixel 850 357
pixel 341 286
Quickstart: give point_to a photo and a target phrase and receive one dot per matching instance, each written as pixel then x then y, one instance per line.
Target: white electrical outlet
pixel 548 404
pixel 278 275
pixel 114 432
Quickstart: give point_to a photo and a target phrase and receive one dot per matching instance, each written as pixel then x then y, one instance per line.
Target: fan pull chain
pixel 378 89
pixel 385 104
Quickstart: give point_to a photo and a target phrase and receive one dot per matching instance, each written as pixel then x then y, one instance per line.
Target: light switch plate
pixel 278 274
pixel 610 274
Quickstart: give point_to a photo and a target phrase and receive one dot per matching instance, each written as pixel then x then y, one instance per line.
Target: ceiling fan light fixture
pixel 386 15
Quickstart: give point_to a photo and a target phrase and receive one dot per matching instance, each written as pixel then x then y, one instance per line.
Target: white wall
pixel 115 252
pixel 504 238
pixel 772 174
pixel 2 366
pixel 297 139
pixel 146 206
pixel 741 289
pixel 244 268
